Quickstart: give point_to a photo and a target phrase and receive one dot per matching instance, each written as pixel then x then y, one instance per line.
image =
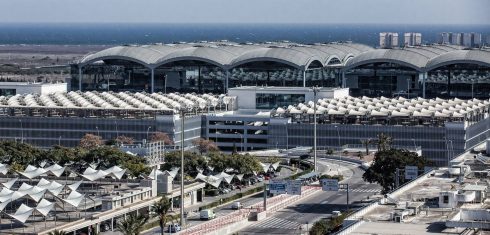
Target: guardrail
pixel 273 204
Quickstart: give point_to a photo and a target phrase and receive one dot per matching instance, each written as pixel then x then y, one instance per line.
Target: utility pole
pixel 182 132
pixel 315 90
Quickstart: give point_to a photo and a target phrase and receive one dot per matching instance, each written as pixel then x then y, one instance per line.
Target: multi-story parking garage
pixel 427 71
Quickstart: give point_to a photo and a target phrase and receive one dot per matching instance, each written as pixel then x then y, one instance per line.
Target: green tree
pixel 20 153
pixel 245 164
pixel 124 140
pixel 319 228
pixel 192 162
pixel 385 163
pixel 384 142
pixel 132 224
pixel 62 155
pixel 57 232
pixel 160 209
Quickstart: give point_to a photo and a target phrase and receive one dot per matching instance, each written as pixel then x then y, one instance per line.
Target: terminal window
pixel 270 101
pixel 7 92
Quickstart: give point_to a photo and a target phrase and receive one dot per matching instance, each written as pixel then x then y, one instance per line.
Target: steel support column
pixel 79 77
pixel 152 80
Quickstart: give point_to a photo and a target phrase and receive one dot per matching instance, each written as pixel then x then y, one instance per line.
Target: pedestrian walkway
pixel 278 223
pixel 362 190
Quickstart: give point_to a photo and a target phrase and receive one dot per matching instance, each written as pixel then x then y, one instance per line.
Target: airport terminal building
pixel 428 71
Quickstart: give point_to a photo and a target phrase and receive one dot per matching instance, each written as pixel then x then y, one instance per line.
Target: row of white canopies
pixel 113 100
pixel 394 107
pixel 89 174
pixel 37 193
pixel 461 78
pixel 216 180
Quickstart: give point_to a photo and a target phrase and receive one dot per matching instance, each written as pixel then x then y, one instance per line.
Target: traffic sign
pixel 293 187
pixel 330 185
pixel 277 186
pixel 411 172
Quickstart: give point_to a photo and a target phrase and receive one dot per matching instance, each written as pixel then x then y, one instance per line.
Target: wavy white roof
pixel 229 54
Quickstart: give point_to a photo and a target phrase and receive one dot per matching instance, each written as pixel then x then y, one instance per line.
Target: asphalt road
pixel 297 217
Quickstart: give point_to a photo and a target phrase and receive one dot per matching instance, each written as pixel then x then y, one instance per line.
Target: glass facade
pixel 270 101
pixel 383 79
pixel 459 80
pixel 7 92
pixel 197 76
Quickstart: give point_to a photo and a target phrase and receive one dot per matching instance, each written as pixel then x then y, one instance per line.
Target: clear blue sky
pixel 248 11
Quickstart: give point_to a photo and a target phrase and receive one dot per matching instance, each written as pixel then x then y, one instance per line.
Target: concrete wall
pixel 38 88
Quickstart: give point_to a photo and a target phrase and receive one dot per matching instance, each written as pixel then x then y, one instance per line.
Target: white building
pixel 388 40
pixel 254 97
pixel 14 88
pixel 412 39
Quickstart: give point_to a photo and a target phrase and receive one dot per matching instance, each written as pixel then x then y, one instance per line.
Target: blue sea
pixel 119 33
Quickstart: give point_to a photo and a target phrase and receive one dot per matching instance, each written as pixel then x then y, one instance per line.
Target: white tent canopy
pixel 116 172
pixel 3 169
pixel 55 169
pixel 74 198
pixel 213 181
pixel 74 186
pixel 22 214
pixel 91 174
pixel 32 172
pixel 53 187
pixel 9 183
pixel 44 207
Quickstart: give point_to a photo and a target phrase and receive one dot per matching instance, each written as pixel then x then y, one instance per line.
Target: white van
pixel 207 214
pixel 236 206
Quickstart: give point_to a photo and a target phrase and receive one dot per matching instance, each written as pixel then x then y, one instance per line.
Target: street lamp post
pixel 147 131
pixel 338 138
pixel 97 128
pixel 182 133
pixel 315 90
pixel 21 131
pixel 59 141
pixel 241 140
pixel 414 145
pixel 287 136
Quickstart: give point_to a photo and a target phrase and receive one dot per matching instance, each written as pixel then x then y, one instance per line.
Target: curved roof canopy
pixel 422 58
pixel 480 57
pixel 228 54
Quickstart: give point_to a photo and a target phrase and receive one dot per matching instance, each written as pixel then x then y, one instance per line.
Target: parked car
pixel 304 156
pixel 236 206
pixel 260 178
pixel 336 214
pixel 174 228
pixel 207 214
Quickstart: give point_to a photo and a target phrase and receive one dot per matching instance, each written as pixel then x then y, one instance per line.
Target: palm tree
pixel 366 144
pixel 57 232
pixel 160 209
pixel 132 224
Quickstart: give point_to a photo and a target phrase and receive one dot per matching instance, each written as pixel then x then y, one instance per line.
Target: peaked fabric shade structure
pixel 9 183
pixel 3 169
pixel 4 204
pixel 74 198
pixel 6 195
pixel 74 186
pixel 213 181
pixel 53 187
pixel 22 214
pixel 116 172
pixel 226 177
pixel 91 174
pixel 32 172
pixel 55 169
pixel 44 207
